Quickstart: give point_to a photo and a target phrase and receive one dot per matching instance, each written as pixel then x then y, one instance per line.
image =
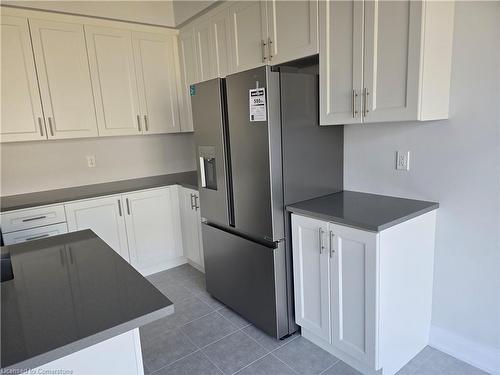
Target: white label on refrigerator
pixel 258 110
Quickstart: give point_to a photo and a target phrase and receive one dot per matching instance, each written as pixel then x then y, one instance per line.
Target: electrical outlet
pixel 403 160
pixel 91 161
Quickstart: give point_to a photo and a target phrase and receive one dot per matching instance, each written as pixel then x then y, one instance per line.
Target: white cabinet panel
pixel 248 31
pixel 220 37
pixel 293 29
pixel 391 61
pixel 22 116
pixel 153 228
pixel 353 289
pixel 104 216
pixel 189 73
pixel 64 78
pixel 203 50
pixel 156 75
pixel 311 275
pixel 191 226
pixel 34 233
pixel 114 80
pixel 340 62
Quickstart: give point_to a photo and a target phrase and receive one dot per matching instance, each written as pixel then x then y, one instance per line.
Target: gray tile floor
pixel 205 337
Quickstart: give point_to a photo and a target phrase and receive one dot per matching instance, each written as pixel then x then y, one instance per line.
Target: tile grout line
pixel 203 353
pixel 329 367
pixel 290 367
pixel 173 362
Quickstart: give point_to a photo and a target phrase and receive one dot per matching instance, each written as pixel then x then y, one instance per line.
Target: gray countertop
pixel 365 211
pixel 16 202
pixel 69 292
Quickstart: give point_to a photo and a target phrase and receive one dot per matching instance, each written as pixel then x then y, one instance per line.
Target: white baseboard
pixel 163 266
pixel 485 357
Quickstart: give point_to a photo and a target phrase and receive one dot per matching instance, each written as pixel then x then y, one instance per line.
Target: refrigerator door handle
pixel 202 172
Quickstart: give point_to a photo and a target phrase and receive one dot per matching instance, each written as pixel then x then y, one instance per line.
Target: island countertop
pixel 69 292
pixel 365 211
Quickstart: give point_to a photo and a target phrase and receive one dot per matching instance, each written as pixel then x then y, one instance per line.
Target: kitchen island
pixel 72 304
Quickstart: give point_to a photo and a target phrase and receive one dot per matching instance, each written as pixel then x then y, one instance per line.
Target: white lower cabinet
pixel 104 216
pixel 365 297
pixel 191 227
pixel 153 229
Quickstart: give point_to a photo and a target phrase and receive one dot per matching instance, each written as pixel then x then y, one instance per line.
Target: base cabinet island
pixel 363 276
pixel 73 305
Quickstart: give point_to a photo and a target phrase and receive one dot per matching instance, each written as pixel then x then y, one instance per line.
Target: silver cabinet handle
pixel 263 48
pixel 139 123
pixel 51 127
pixel 332 250
pixel 354 97
pixel 196 202
pixel 37 237
pixel 40 125
pixel 146 123
pixel 321 247
pixel 128 206
pixel 34 218
pixel 119 207
pixel 192 204
pixel 269 48
pixel 365 101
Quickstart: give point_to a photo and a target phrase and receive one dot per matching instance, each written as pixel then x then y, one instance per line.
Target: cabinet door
pixel 392 48
pixel 248 32
pixel 190 227
pixel 340 61
pixel 353 291
pixel 22 117
pixel 203 50
pixel 220 38
pixel 293 29
pixel 64 78
pixel 311 275
pixel 155 66
pixel 189 72
pixel 105 217
pixel 114 80
pixel 153 229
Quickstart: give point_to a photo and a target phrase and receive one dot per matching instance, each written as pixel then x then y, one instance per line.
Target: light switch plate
pixel 403 160
pixel 91 161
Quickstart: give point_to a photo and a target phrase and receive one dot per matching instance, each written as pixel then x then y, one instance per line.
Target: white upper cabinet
pixel 64 78
pixel 220 38
pixel 155 56
pixel 404 71
pixel 341 65
pixel 203 50
pixel 292 30
pixel 248 35
pixel 22 116
pixel 114 80
pixel 189 73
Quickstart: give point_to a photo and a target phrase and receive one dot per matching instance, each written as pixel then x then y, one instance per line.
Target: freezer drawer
pixel 248 277
pixel 32 217
pixel 34 233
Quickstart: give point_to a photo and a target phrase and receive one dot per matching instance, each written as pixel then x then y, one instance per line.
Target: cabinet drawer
pixel 34 233
pixel 32 218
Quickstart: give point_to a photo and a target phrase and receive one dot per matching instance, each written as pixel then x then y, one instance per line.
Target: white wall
pixel 185 9
pixel 152 12
pixel 36 166
pixel 457 163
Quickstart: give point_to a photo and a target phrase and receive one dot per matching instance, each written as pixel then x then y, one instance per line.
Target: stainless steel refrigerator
pixel 259 147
